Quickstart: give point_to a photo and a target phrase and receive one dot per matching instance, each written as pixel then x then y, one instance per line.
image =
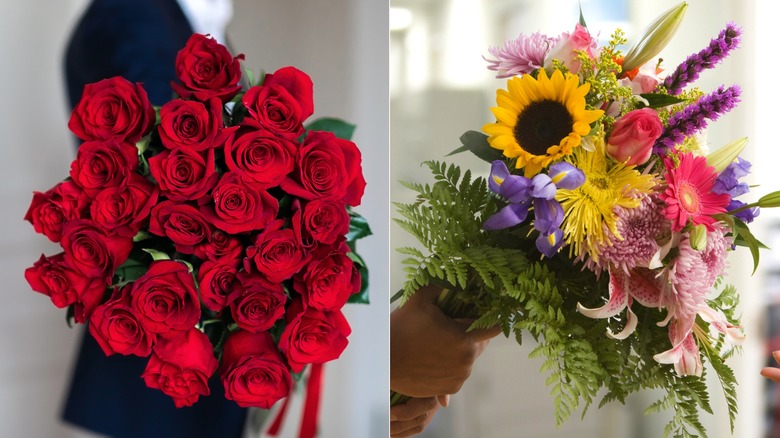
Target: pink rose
pixel 633 135
pixel 568 44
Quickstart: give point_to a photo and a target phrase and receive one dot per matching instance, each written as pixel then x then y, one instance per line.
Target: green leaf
pixel 143 144
pixel 362 296
pixel 476 143
pixel 130 270
pixel 249 74
pixel 358 227
pixel 142 235
pixel 70 317
pixel 338 127
pixel 659 100
pixel 751 242
pixel 156 255
pixel 582 18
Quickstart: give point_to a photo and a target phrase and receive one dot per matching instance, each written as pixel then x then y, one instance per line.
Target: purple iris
pixel 539 191
pixel 728 182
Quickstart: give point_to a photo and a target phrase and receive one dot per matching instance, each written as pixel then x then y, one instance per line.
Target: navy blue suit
pixel 137 39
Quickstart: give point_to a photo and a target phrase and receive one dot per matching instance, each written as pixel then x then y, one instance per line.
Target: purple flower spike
pixel 508 216
pixel 694 117
pixel 548 215
pixel 566 176
pixel 542 187
pixel 549 243
pixel 716 51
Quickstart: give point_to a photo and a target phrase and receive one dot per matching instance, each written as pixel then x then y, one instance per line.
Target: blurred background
pixel 341 44
pixel 440 87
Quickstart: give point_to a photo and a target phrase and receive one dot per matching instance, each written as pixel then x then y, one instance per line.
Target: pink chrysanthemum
pixel 636 242
pixel 690 283
pixel 689 195
pixel 714 255
pixel 521 55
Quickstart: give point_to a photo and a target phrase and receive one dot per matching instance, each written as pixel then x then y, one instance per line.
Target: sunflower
pixel 589 210
pixel 540 120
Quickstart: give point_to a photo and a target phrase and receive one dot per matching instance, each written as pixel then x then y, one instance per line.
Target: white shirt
pixel 208 16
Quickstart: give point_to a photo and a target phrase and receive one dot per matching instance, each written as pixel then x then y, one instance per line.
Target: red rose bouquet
pixel 212 235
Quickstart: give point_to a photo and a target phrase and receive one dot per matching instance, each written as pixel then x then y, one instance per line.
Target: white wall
pixel 342 44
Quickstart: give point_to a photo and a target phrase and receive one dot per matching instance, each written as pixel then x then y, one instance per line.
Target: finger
pixel 429 292
pixel 412 408
pixel 411 427
pixel 485 334
pixel 771 373
pixel 776 355
pixel 444 400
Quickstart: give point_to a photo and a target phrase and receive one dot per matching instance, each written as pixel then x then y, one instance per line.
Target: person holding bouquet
pixel 431 356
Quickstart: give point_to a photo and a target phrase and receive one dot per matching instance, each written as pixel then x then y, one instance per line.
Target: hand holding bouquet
pixel 212 235
pixel 598 167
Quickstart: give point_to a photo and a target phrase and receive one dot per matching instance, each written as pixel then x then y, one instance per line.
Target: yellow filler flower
pixel 589 210
pixel 540 121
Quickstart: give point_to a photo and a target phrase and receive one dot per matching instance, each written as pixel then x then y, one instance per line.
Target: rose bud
pixel 633 135
pixel 206 69
pixel 313 336
pixel 181 366
pixel 253 371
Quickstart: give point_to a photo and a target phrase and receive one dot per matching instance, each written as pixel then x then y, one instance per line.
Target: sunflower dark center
pixel 542 124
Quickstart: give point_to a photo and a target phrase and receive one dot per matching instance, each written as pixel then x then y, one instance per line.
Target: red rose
pixel 313 336
pixel 237 207
pixel 256 304
pixel 101 164
pixel 184 174
pixel 277 253
pixel 218 247
pixel 112 109
pixel 165 298
pixel 327 282
pixel 190 124
pixel 181 366
pixel 116 328
pixel 328 167
pixel 49 211
pixel 259 155
pixel 123 209
pixel 206 69
pixel 181 223
pixel 53 277
pixel 326 220
pixel 92 250
pixel 216 281
pixel 253 372
pixel 283 102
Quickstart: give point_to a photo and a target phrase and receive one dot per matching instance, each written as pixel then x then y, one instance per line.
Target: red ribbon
pixel 311 407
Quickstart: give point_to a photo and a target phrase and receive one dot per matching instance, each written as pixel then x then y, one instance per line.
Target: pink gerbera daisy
pixel 520 56
pixel 689 195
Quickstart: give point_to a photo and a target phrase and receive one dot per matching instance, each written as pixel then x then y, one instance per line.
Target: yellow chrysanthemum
pixel 607 184
pixel 540 120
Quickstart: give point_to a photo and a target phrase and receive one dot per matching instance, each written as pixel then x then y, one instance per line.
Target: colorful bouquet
pixel 212 235
pixel 599 167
